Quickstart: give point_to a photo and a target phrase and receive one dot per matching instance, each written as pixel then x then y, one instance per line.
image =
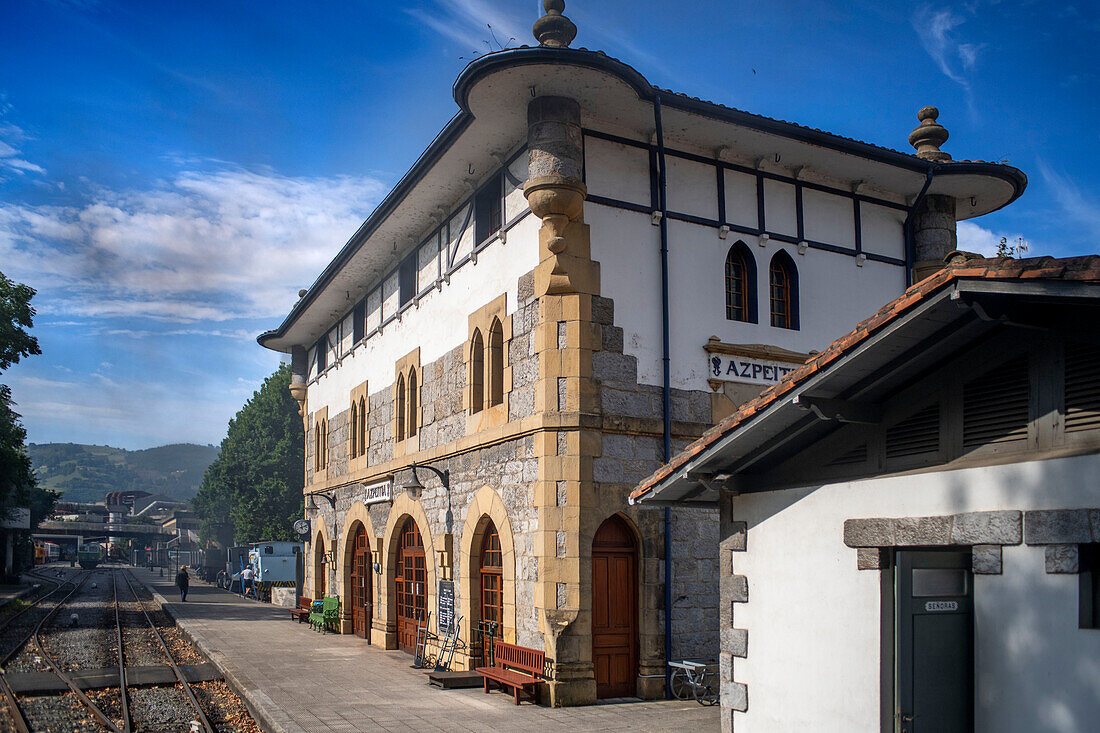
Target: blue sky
pixel 171 173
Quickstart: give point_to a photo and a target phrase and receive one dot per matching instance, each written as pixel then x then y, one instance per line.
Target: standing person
pixel 246 582
pixel 182 581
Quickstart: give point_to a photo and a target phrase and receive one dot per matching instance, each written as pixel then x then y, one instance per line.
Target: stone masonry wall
pixel 628 458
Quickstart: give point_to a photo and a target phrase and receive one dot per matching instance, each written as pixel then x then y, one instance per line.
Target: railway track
pixel 124 630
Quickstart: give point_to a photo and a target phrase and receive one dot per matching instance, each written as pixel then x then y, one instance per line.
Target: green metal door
pixel 935 638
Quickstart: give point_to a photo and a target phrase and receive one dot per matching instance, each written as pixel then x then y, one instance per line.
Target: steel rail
pixel 19 720
pixel 95 710
pixel 126 724
pixel 206 726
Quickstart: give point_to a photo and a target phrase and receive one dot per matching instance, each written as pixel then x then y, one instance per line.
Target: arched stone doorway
pixel 319 585
pixel 615 608
pixel 359 590
pixel 410 585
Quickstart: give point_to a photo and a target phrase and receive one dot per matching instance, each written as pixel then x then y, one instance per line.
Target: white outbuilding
pixel 910 522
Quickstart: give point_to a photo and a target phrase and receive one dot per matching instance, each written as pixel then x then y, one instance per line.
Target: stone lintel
pixel 869 532
pixel 986 559
pixel 1062 559
pixel 922 531
pixel 1057 526
pixel 970 528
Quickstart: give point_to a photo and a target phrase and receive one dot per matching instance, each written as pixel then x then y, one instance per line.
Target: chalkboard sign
pixel 446 615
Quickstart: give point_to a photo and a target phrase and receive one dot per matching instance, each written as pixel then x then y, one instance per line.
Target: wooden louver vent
pixel 851 458
pixel 915 435
pixel 1082 387
pixel 996 405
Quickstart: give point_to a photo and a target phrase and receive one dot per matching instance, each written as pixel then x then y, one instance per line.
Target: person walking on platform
pixel 246 582
pixel 182 581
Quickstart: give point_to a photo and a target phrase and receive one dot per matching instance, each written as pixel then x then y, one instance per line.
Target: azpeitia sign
pixel 378 492
pixel 746 369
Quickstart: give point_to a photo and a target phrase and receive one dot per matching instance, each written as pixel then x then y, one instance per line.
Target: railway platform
pixel 296 680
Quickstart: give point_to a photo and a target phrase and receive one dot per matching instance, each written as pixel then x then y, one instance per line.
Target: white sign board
pixel 747 369
pixel 378 493
pixel 17 518
pixel 941 606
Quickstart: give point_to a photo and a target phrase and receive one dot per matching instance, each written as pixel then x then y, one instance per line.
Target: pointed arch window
pixel 317 445
pixel 399 408
pixel 411 431
pixel 477 372
pixel 740 284
pixel 783 291
pixel 496 363
pixel 362 426
pixel 353 433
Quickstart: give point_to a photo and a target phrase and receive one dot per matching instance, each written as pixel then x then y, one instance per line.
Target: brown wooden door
pixel 411 586
pixel 361 607
pixel 614 609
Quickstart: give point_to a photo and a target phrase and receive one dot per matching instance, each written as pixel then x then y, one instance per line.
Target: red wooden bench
pixel 514 666
pixel 302 611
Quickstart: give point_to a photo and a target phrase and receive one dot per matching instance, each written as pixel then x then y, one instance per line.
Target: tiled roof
pixel 1085 268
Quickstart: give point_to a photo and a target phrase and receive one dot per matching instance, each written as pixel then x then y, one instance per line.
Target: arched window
pixel 317 445
pixel 324 444
pixel 362 427
pixel 496 363
pixel 492 580
pixel 783 291
pixel 353 433
pixel 400 407
pixel 477 372
pixel 740 284
pixel 412 403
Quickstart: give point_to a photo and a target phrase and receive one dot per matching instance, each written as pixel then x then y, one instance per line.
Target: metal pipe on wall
pixel 666 393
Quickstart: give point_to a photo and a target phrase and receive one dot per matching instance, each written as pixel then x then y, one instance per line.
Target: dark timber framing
pixel 761 176
pixel 442 235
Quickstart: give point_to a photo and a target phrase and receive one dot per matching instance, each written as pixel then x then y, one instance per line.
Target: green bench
pixel 324 615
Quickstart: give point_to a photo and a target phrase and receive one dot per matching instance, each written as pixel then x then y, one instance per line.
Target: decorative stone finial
pixel 929 135
pixel 554 29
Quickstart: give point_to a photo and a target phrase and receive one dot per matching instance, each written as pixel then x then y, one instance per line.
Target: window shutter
pixel 996 405
pixel 916 435
pixel 1082 387
pixel 853 457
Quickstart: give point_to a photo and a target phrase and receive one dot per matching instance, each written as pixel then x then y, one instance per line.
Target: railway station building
pixel 580 276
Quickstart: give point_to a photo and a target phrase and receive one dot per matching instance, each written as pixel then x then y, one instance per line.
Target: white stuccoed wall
pixel 835 294
pixel 813 618
pixel 438 325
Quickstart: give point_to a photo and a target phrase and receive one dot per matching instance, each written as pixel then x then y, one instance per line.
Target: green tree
pixel 18 487
pixel 253 489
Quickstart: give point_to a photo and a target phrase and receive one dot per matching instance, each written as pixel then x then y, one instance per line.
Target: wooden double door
pixel 410 583
pixel 615 609
pixel 362 605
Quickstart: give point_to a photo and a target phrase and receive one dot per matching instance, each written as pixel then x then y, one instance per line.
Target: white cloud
pixel 467 22
pixel 974 238
pixel 10 137
pixel 203 246
pixel 1074 203
pixel 936 28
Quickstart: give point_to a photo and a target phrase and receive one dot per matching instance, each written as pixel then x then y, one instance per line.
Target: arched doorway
pixel 491 596
pixel 410 585
pixel 319 567
pixel 362 606
pixel 615 609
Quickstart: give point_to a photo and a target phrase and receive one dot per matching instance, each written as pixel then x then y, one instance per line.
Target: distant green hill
pixel 85 473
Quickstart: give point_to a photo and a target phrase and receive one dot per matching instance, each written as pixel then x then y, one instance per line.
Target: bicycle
pixel 694 680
